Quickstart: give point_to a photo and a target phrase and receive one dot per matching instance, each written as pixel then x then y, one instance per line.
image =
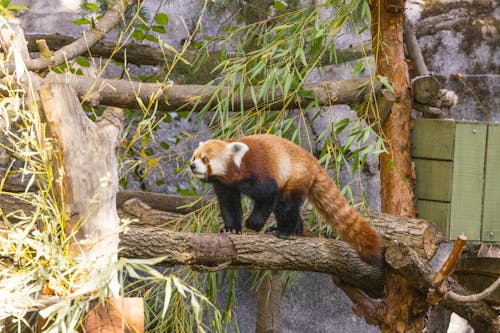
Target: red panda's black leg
pixel 288 218
pixel 264 195
pixel 229 199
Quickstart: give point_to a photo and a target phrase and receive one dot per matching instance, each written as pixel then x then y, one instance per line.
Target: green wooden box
pixel 457 166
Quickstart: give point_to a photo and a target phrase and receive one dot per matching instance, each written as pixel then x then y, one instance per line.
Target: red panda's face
pixel 215 157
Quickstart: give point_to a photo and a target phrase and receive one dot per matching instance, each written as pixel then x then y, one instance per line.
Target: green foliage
pixel 269 65
pixel 8 10
pixel 266 56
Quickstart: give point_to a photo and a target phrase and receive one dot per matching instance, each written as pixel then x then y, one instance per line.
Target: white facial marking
pixel 237 151
pixel 218 167
pixel 199 169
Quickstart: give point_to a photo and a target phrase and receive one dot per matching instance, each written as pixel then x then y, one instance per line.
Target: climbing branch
pixel 146 54
pixel 210 251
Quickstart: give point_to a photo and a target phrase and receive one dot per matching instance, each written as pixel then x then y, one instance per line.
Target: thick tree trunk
pixel 397 174
pixel 404 307
pixel 88 156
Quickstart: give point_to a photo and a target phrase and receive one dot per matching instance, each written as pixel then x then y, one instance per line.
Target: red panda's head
pixel 217 159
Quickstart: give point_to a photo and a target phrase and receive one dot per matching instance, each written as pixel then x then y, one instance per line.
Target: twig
pixel 439 288
pixel 451 262
pixel 474 297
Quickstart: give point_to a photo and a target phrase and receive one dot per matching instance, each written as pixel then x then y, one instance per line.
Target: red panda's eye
pixel 204 160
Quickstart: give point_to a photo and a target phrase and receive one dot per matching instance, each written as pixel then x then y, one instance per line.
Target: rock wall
pixel 460 41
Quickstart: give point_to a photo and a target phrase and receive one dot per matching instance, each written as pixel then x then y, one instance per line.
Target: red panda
pixel 278 176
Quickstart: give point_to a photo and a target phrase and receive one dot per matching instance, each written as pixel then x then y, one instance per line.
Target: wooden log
pixel 161 201
pixel 419 235
pixel 413 49
pixel 425 89
pixel 117 315
pixel 125 94
pixel 88 156
pixel 216 251
pixel 420 275
pixel 144 54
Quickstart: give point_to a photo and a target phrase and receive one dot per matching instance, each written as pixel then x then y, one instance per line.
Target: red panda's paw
pixel 231 230
pixel 254 224
pixel 280 234
pixel 271 231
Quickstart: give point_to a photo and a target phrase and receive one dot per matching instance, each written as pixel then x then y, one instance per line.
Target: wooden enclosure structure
pixel 458 181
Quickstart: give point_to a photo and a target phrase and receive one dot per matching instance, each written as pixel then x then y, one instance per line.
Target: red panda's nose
pixel 192 166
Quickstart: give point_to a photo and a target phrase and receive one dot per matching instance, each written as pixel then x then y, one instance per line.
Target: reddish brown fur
pixel 298 174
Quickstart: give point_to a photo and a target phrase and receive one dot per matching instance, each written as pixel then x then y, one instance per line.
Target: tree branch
pixel 218 251
pixel 81 45
pixel 474 297
pixel 408 263
pixel 364 307
pixel 145 54
pixel 126 94
pixel 439 286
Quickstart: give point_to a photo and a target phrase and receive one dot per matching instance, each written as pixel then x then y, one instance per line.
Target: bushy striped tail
pixel 347 223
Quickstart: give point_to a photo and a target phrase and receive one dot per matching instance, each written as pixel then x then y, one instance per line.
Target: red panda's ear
pixel 238 150
pixel 201 143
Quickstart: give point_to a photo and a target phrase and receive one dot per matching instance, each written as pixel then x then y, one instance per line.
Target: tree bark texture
pixel 268 304
pixel 410 244
pixel 88 165
pixel 256 251
pixel 396 170
pixel 418 277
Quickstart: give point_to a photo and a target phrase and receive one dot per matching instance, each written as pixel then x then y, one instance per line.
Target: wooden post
pixel 86 155
pixel 118 315
pixel 89 170
pixel 269 304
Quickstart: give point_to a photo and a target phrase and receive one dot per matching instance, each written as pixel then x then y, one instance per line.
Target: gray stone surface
pixel 311 303
pixel 460 42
